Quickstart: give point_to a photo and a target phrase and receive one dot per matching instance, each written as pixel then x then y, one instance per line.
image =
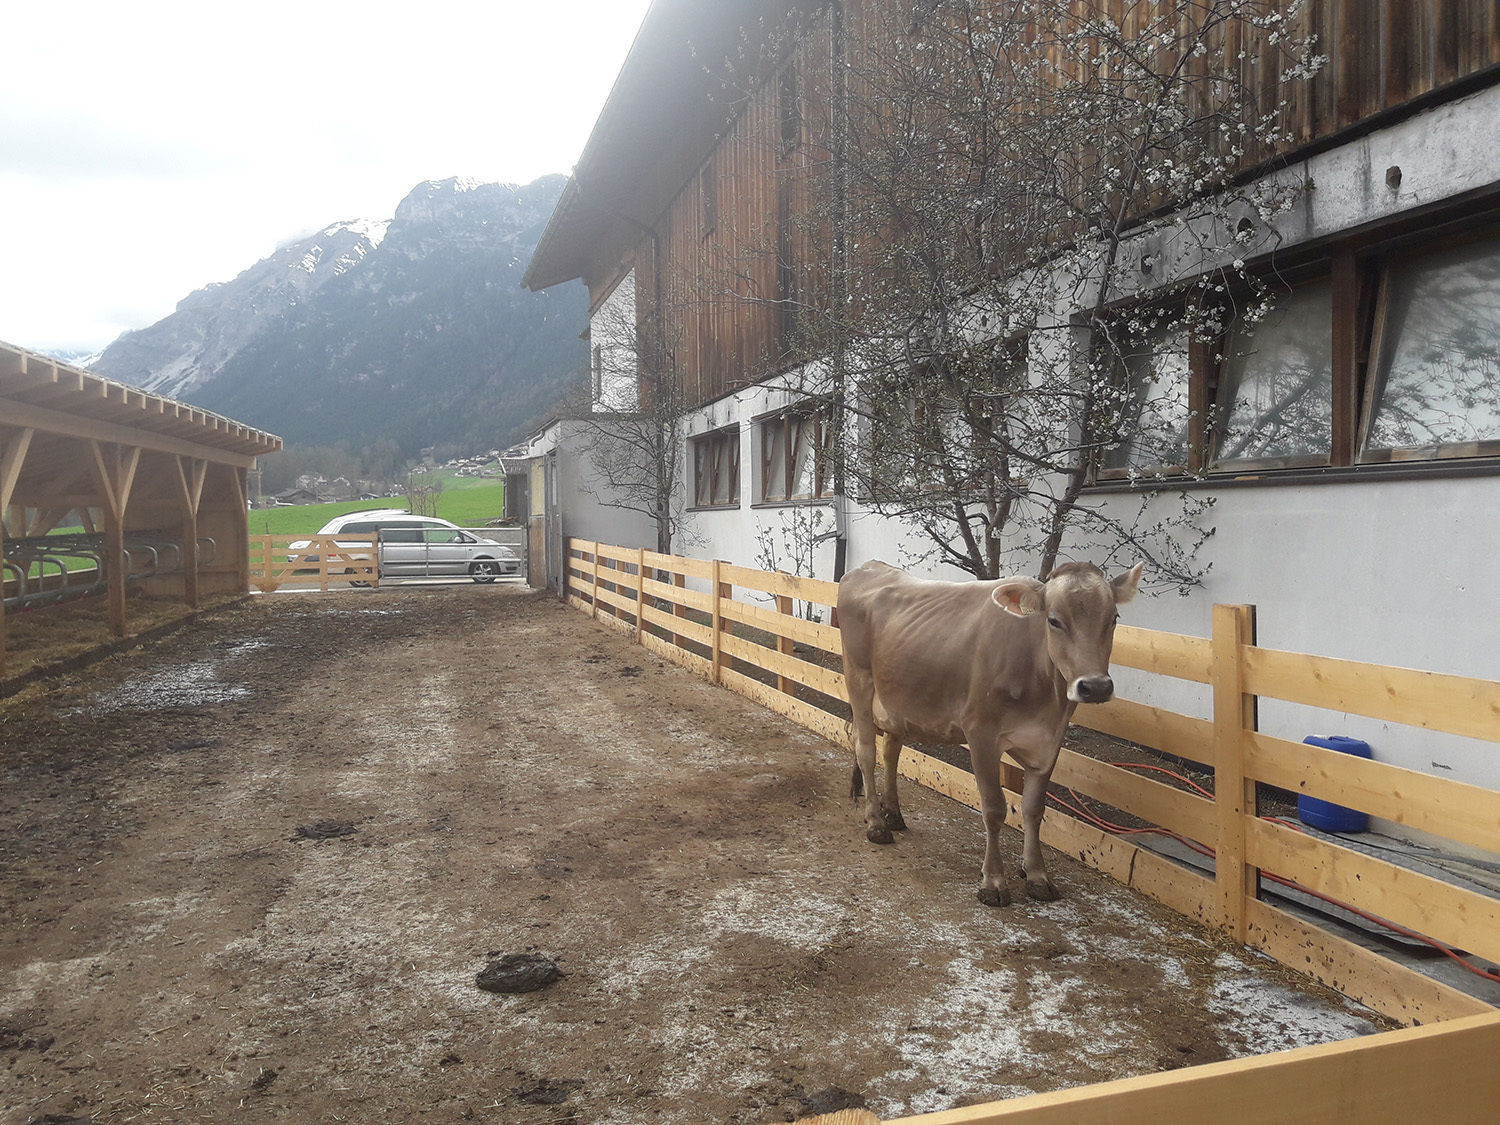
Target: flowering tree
pixel 1043 216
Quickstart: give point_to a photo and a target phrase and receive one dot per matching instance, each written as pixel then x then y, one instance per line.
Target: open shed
pixel 158 486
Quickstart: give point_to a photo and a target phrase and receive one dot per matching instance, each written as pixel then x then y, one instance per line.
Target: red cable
pixel 1120 830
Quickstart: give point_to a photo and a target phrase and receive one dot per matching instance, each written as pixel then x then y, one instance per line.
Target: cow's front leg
pixel 1033 805
pixel 984 755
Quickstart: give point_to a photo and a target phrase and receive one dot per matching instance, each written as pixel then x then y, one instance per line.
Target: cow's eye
pixel 1055 622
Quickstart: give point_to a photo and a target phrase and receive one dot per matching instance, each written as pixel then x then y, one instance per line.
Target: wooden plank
pixel 785 646
pixel 1234 795
pixel 716 629
pixel 1393 990
pixel 1185 813
pixel 813 718
pixel 617 600
pixel 679 626
pixel 1181 735
pixel 1430 700
pixel 1459 917
pixel 824 637
pixel 1168 654
pixel 1469 814
pixel 677 564
pixel 790 585
pixel 787 668
pixel 679 595
pixel 77 425
pixel 617 554
pixel 1444 1073
pixel 689 660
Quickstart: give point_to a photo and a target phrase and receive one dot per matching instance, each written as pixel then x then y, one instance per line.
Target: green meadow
pixel 466 501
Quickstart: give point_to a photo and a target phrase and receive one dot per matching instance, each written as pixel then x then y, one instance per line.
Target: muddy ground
pixel 173 948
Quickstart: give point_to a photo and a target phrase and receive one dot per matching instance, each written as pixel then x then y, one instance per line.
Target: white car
pixel 417 546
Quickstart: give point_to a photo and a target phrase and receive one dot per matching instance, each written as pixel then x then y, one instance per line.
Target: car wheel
pixel 485 570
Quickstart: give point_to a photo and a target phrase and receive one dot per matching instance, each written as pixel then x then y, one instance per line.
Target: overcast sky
pixel 149 148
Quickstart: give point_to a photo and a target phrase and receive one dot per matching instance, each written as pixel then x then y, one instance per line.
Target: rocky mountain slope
pixel 414 328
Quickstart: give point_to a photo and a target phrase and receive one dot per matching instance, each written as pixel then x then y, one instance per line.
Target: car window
pixel 364 527
pixel 400 535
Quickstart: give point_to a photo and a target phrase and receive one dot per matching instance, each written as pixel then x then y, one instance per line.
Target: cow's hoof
pixel 881 835
pixel 994 896
pixel 894 820
pixel 1041 889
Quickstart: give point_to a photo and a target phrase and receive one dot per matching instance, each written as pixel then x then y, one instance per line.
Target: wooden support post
pixel 190 474
pixel 594 578
pixel 1234 795
pixel 678 609
pixel 238 485
pixel 640 591
pixel 11 460
pixel 718 622
pixel 116 474
pixel 784 644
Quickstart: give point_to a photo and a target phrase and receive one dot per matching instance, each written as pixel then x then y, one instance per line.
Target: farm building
pixel 1366 205
pixel 157 489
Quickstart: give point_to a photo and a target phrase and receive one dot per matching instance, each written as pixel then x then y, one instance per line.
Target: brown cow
pixel 1000 665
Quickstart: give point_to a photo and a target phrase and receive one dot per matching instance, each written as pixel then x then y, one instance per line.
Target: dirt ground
pixel 518 779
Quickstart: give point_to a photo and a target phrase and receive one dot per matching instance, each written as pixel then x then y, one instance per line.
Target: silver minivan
pixel 420 546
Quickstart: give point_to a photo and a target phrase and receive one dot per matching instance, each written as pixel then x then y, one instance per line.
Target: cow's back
pixel 934 651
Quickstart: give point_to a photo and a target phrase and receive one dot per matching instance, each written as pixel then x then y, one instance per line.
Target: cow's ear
pixel 1126 584
pixel 1020 596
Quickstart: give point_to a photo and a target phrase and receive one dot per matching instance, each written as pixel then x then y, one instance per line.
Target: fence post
pixel 640 590
pixel 1234 795
pixel 718 621
pixel 784 644
pixel 594 593
pixel 679 579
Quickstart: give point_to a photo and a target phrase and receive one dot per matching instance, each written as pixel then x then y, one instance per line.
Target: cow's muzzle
pixel 1091 689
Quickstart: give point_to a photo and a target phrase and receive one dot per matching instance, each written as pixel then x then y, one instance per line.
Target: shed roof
pixel 668 106
pixel 49 395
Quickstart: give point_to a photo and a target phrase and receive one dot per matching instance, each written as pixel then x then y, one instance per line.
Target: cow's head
pixel 1077 604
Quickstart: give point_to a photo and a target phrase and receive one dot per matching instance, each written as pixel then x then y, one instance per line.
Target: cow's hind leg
pixel 862 703
pixel 1033 805
pixel 985 756
pixel 890 755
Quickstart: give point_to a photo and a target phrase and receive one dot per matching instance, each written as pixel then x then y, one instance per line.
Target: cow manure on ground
pixel 324 830
pixel 546 1091
pixel 630 670
pixel 518 972
pixel 263 1080
pixel 830 1099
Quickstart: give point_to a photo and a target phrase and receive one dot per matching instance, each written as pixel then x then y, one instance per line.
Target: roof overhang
pixel 669 104
pixel 45 394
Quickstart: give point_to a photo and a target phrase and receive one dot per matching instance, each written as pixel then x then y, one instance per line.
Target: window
pixel 1152 369
pixel 796 460
pixel 1276 386
pixel 716 469
pixel 1434 389
pixel 1381 352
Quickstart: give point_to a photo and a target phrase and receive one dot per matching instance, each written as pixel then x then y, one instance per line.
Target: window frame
pixel 717 451
pixel 1359 267
pixel 790 422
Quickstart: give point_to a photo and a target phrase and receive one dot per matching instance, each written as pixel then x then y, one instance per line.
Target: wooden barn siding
pixel 718 289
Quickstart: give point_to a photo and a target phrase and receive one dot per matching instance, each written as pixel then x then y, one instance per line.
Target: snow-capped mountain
pixel 414 328
pixel 178 354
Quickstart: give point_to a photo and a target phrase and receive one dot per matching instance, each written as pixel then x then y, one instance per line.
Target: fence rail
pixel 318 560
pixel 741 628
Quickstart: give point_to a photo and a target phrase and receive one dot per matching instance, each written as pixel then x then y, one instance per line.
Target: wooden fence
pixel 318 560
pixel 776 655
